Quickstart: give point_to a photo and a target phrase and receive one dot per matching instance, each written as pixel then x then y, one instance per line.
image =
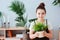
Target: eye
pixel 38 13
pixel 43 13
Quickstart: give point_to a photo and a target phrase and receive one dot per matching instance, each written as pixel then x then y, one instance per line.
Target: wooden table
pixel 9 31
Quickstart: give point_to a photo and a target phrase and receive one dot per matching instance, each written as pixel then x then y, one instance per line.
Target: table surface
pixel 15 28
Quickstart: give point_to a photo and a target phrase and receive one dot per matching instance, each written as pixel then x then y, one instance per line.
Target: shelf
pixel 13 38
pixel 15 28
pixel 10 32
pixel 2 37
pixel 2 28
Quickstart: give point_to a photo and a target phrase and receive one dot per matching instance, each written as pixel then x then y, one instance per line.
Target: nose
pixel 40 15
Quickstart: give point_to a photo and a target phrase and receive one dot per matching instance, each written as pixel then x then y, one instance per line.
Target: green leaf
pixel 19 8
pixel 39 27
pixel 0 14
pixel 54 1
pixel 58 1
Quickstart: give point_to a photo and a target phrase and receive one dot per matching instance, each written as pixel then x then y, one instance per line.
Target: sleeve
pixel 50 27
pixel 31 26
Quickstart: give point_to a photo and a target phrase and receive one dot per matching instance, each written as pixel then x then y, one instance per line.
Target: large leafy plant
pixel 19 8
pixel 55 2
pixel 39 27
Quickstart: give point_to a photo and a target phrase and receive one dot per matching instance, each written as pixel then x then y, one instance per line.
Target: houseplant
pixel 40 28
pixel 19 8
pixel 55 2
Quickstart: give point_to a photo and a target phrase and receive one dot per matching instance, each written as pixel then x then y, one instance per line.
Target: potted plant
pixel 55 2
pixel 19 8
pixel 40 28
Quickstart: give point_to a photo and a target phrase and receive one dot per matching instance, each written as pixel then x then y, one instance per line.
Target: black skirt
pixel 44 38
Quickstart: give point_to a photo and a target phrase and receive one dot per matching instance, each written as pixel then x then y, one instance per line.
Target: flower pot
pixel 40 33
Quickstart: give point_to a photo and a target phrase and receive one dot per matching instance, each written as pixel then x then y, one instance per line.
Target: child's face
pixel 41 13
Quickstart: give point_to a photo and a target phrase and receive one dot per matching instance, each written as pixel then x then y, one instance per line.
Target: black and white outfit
pixel 49 28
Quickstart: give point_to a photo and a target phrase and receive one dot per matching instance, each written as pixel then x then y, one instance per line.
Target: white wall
pixel 4 8
pixel 53 13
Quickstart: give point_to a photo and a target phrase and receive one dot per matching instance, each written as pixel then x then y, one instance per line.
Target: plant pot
pixel 40 34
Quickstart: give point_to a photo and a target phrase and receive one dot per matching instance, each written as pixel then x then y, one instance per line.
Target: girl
pixel 41 13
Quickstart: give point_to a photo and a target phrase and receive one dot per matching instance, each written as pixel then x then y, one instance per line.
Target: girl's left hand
pixel 49 35
pixel 45 34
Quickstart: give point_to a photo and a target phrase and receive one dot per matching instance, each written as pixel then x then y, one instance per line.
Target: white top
pixel 49 25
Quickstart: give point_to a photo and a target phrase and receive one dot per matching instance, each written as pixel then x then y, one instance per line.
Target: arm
pixel 31 35
pixel 49 35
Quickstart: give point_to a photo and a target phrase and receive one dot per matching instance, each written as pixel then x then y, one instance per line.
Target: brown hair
pixel 41 6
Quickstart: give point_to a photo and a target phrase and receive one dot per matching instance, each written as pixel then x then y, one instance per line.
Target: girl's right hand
pixel 36 34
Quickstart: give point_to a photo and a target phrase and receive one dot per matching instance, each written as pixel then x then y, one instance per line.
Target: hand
pixel 45 34
pixel 36 34
pixel 49 35
pixel 41 34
